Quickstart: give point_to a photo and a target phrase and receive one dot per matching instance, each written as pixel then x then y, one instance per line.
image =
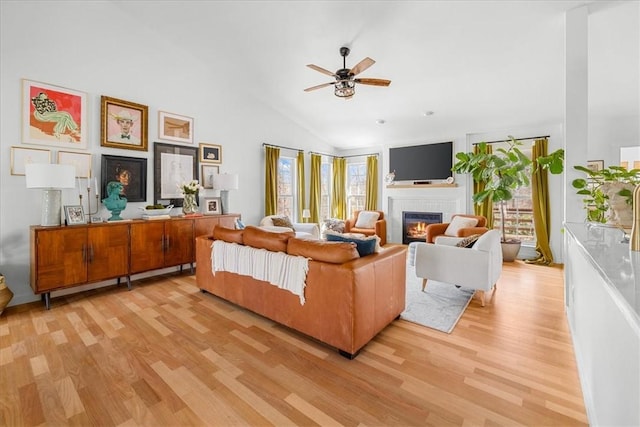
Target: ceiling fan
pixel 345 84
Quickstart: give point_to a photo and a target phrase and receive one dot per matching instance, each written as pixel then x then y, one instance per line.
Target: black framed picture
pixel 173 165
pixel 131 172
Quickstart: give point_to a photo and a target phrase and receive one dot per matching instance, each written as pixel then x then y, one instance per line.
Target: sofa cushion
pixel 318 250
pixel 269 240
pixel 282 221
pixel 332 224
pixel 227 234
pixel 468 242
pixel 365 246
pixel 459 222
pixel 367 219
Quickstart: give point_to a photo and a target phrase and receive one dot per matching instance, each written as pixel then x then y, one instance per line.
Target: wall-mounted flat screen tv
pixel 426 162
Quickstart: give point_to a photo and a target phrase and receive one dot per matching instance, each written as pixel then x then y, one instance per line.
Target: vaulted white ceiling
pixel 478 65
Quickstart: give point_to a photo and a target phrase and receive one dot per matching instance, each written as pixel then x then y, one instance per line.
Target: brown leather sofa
pixel 349 299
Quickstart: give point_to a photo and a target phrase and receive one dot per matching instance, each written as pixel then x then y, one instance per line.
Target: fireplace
pixel 414 225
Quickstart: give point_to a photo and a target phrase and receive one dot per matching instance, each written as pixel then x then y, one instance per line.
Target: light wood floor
pixel 166 354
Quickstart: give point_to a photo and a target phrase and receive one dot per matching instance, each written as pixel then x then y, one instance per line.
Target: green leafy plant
pixel 596 202
pixel 503 172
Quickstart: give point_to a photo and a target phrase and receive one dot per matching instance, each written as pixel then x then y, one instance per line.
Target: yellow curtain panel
pixel 540 199
pixel 315 188
pixel 339 194
pixel 371 198
pixel 271 180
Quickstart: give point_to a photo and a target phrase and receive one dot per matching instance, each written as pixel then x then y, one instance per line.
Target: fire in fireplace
pixel 414 225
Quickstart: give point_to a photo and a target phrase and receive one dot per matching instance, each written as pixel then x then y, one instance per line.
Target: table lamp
pixel 50 178
pixel 306 214
pixel 225 182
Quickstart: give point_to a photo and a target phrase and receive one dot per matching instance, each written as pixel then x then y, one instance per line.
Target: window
pixel 519 213
pixel 286 186
pixel 325 190
pixel 356 187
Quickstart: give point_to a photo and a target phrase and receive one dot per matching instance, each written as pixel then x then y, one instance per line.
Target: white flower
pixel 190 187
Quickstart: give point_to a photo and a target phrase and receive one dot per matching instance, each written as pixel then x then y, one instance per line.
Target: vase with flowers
pixel 190 191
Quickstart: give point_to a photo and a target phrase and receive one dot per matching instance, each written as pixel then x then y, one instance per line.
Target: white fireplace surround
pixel 398 204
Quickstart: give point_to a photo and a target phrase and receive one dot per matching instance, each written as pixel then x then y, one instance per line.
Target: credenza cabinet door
pixel 108 251
pixel 147 246
pixel 179 242
pixel 60 258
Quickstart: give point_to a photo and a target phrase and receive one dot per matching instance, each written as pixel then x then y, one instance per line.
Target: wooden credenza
pixel 68 256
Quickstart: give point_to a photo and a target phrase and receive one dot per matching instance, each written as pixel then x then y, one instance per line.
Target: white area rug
pixel 439 307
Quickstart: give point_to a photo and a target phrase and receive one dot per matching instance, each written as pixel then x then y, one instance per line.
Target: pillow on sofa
pixel 365 246
pixel 367 219
pixel 272 241
pixel 457 223
pixel 239 224
pixel 332 224
pixel 318 250
pixel 227 234
pixel 282 221
pixel 468 242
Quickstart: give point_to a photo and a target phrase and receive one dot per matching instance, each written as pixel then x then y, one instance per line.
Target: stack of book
pixel 156 216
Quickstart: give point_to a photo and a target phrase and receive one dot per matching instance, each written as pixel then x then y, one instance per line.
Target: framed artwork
pixel 21 156
pixel 82 162
pixel 175 128
pixel 54 116
pixel 210 153
pixel 212 206
pixel 173 165
pixel 206 175
pixel 131 172
pixel 123 124
pixel 595 165
pixel 74 215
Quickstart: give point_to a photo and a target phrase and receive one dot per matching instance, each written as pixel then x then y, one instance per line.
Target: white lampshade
pixel 48 175
pixel 225 181
pixel 51 178
pixel 306 213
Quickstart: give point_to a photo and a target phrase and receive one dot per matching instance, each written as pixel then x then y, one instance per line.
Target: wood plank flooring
pixel 166 354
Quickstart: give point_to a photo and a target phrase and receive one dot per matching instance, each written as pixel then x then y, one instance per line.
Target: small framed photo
pixel 82 162
pixel 54 116
pixel 206 175
pixel 21 156
pixel 123 124
pixel 210 153
pixel 212 206
pixel 175 128
pixel 74 215
pixel 595 165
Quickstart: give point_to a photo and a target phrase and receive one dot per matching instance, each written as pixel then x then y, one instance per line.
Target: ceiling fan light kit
pixel 345 84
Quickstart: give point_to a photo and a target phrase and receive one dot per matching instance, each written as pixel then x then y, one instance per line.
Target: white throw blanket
pixel 282 270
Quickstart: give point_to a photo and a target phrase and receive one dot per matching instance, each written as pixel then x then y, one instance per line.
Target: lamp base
pixel 51 207
pixel 224 198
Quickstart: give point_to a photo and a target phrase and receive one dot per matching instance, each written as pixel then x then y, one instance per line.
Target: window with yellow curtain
pixel 286 186
pixel 325 189
pixel 356 187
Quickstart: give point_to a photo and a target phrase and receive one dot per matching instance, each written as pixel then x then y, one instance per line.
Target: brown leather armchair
pixel 435 230
pixel 380 228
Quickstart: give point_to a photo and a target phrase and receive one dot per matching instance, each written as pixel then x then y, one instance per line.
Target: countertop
pixel 608 251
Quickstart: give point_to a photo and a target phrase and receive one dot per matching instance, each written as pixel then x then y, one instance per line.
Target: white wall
pixel 93 47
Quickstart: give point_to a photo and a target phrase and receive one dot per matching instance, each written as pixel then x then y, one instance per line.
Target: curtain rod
pixel 264 144
pixel 508 140
pixel 344 157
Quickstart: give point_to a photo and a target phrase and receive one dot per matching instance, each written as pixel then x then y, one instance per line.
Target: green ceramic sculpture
pixel 115 202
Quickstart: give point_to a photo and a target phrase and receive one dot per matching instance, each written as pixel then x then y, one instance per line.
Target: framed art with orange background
pixel 53 116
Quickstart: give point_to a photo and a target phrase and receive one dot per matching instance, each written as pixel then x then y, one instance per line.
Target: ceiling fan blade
pixel 322 70
pixel 318 86
pixel 361 66
pixel 373 82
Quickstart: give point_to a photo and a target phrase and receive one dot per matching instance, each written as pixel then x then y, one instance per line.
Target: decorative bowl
pixel 155 212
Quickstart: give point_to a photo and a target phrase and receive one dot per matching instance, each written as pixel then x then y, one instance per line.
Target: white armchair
pixel 478 267
pixel 302 230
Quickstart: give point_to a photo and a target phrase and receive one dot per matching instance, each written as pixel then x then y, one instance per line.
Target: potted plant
pixel 608 194
pixel 502 173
